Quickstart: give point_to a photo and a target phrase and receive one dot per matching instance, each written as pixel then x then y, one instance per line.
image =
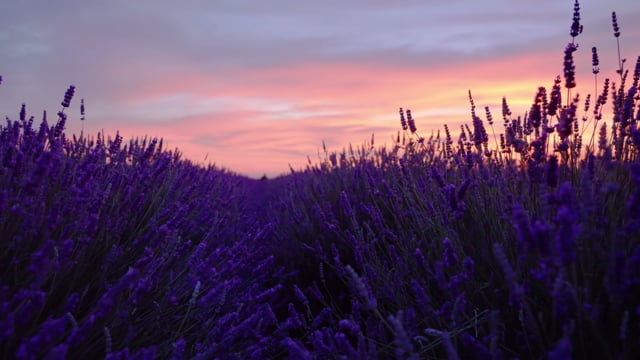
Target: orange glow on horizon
pixel 269 118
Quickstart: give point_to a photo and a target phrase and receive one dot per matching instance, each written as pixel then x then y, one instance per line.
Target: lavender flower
pixel 576 28
pixel 346 205
pixel 506 112
pixel 594 60
pixel 411 122
pixel 556 98
pixel 515 290
pixel 403 347
pixel 627 112
pixel 179 349
pixel 614 22
pixel 569 67
pixel 479 132
pixel 297 351
pixel 361 289
pixel 81 109
pixel 403 121
pixel 68 96
pixel 565 123
pixel 23 112
pixel 449 256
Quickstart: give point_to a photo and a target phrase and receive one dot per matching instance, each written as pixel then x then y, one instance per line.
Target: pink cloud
pixel 338 103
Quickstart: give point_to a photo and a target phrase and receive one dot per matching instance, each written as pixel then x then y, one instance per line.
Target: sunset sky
pixel 257 85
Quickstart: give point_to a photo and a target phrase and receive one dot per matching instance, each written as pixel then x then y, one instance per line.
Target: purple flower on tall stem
pixel 567 117
pixel 569 66
pixel 506 112
pixel 614 22
pixel 576 28
pixel 360 287
pixel 627 112
pixel 636 73
pixel 403 121
pixel 594 60
pixel 479 132
pixel 401 339
pixel 68 96
pixel 411 122
pixel 23 112
pixel 515 290
pixel 449 256
pixel 556 98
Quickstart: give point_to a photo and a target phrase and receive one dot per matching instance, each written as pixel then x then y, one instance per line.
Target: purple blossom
pixel 411 122
pixel 576 28
pixel 361 289
pixel 565 123
pixel 346 205
pixel 594 60
pixel 68 96
pixel 403 346
pixel 627 112
pixel 344 345
pixel 449 255
pixel 569 67
pixel 179 348
pixel 555 101
pixel 479 133
pixel 297 351
pixel 506 112
pixel 614 22
pixel 403 121
pixel 349 327
pixel 515 290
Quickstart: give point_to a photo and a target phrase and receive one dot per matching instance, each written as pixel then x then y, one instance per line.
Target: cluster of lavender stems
pixel 524 244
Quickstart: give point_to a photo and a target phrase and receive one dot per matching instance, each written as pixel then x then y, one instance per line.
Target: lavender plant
pixel 521 246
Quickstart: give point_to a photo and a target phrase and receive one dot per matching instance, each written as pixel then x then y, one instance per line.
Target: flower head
pixel 68 95
pixel 403 121
pixel 594 60
pixel 412 123
pixel 614 22
pixel 569 66
pixel 576 28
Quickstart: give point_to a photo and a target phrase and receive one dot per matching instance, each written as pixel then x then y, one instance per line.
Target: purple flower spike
pixel 576 28
pixel 360 288
pixel 594 60
pixel 614 22
pixel 412 123
pixel 627 112
pixel 636 73
pixel 403 121
pixel 68 96
pixel 515 290
pixel 556 97
pixel 569 66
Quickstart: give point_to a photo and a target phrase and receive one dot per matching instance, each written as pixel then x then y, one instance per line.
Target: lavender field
pixel 517 238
